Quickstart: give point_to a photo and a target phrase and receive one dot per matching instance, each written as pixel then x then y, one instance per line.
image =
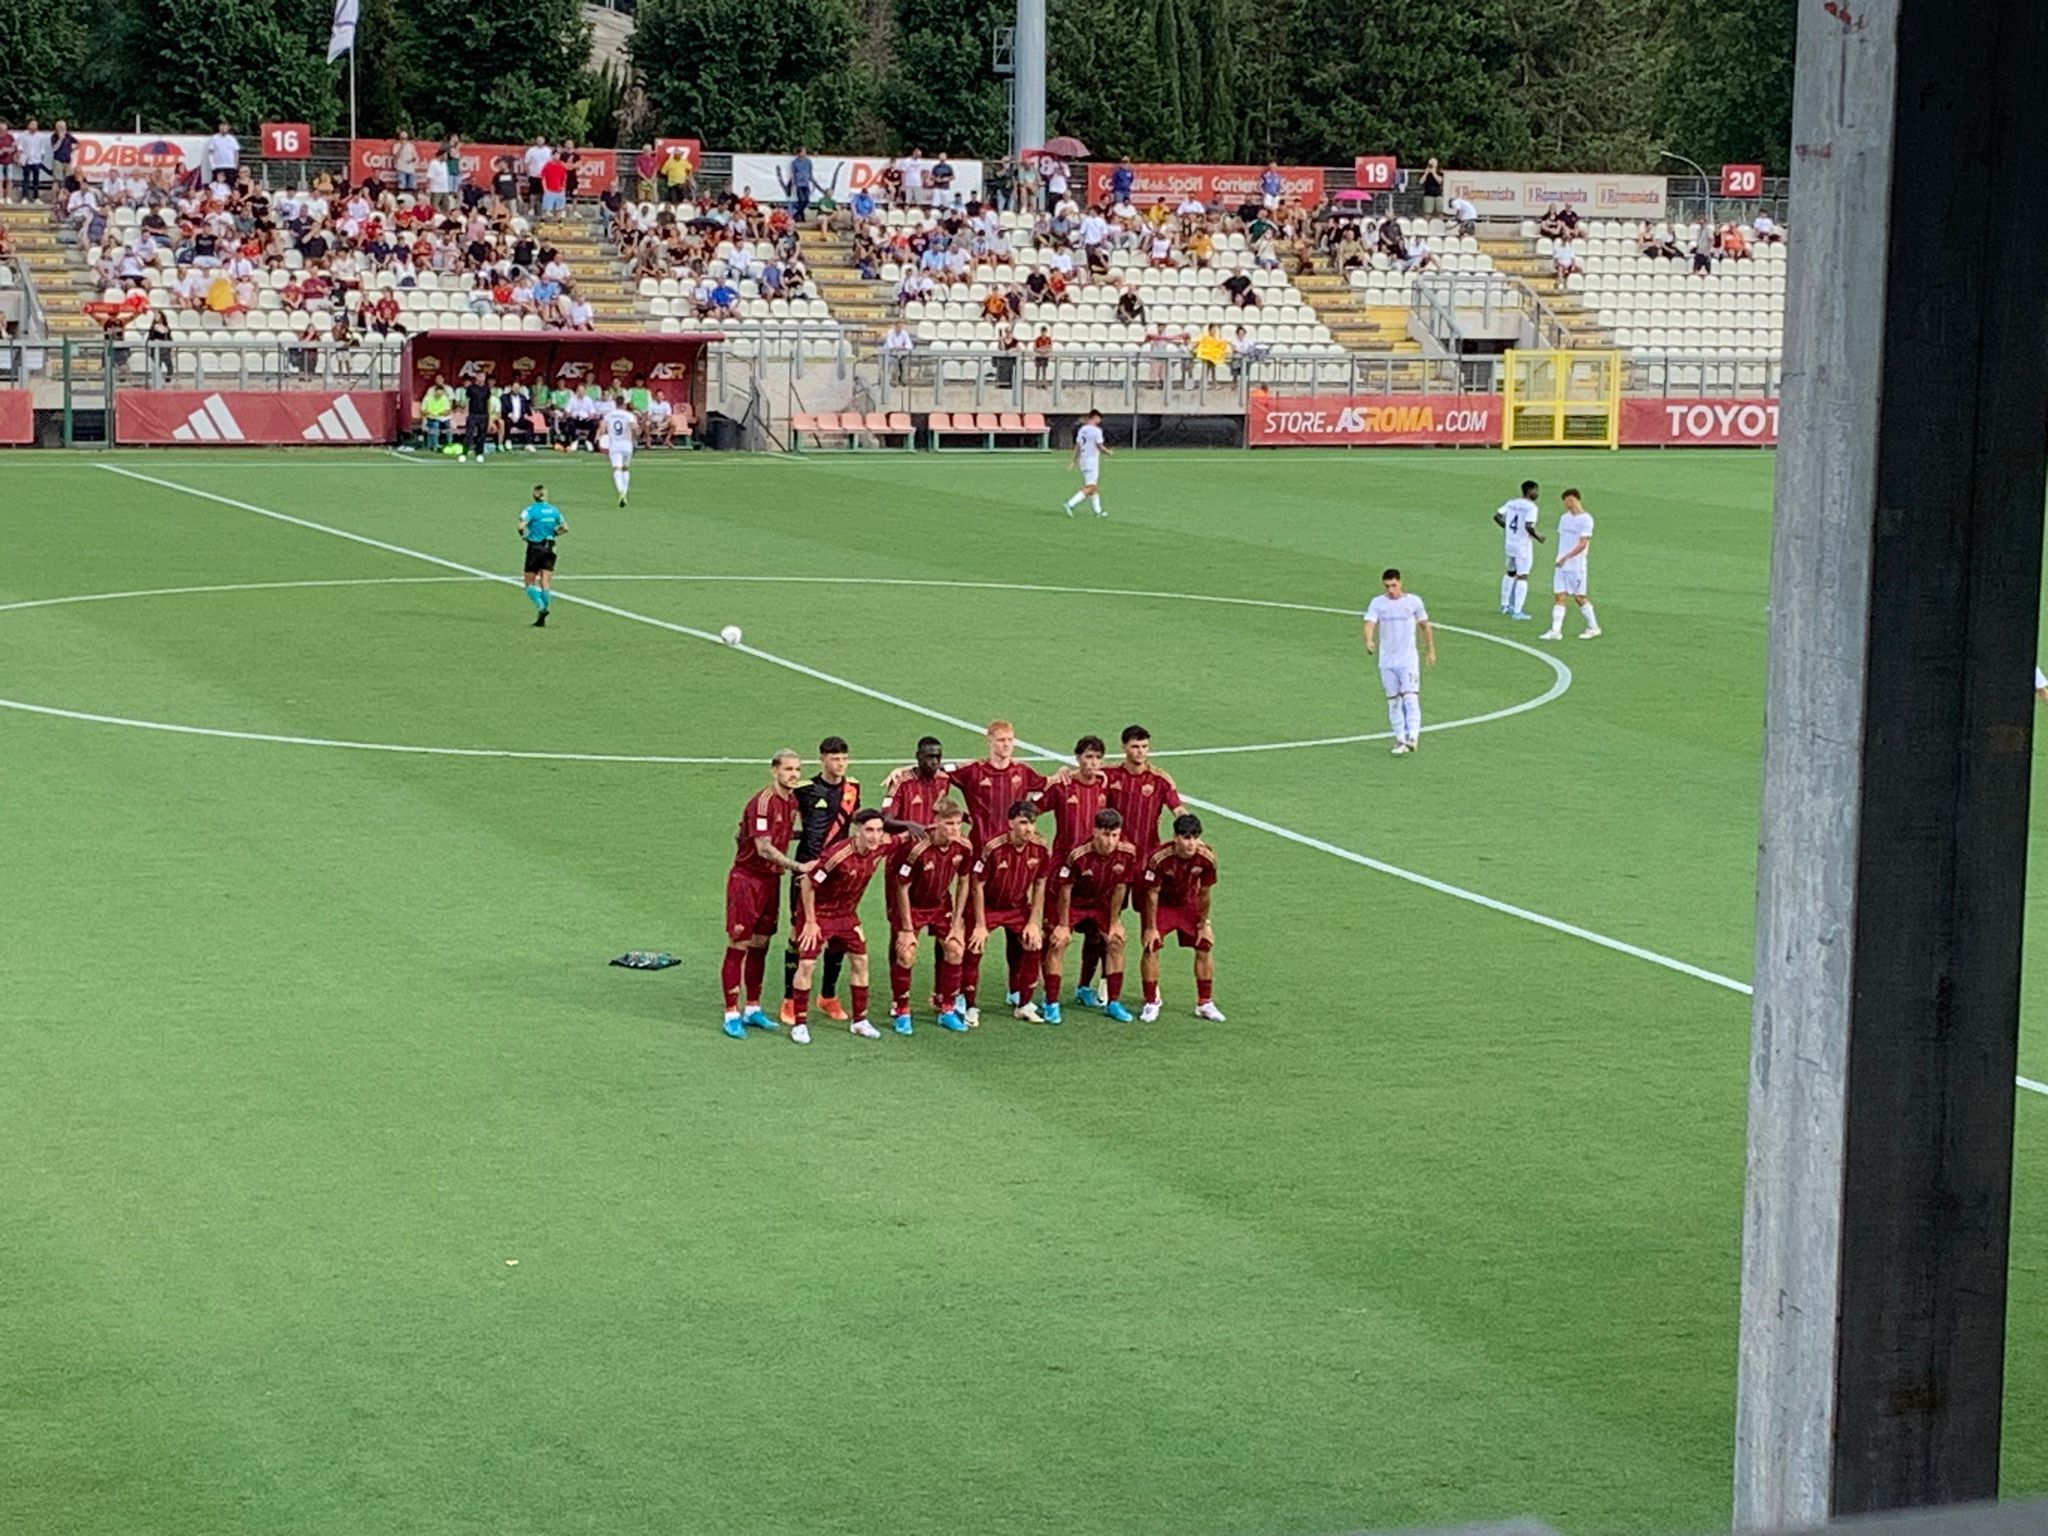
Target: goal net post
pixel 1561 399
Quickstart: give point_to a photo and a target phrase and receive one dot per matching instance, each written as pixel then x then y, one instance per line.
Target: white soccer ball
pixel 730 634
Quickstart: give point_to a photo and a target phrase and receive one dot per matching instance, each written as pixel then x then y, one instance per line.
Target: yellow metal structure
pixel 1562 399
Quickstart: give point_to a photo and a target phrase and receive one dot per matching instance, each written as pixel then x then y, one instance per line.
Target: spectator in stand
pixel 1550 226
pixel 1242 291
pixel 554 186
pixel 572 169
pixel 1350 250
pixel 1269 185
pixel 63 150
pixel 1130 309
pixel 405 162
pixel 223 155
pixel 798 183
pixel 1564 261
pixel 1767 231
pixel 1041 353
pixel 158 344
pixel 1464 215
pixel 1053 173
pixel 675 175
pixel 940 178
pixel 1122 181
pixel 382 315
pixel 1656 241
pixel 1000 183
pixel 647 174
pixel 577 314
pixel 896 349
pixel 505 181
pixel 1094 235
pixel 536 158
pixel 1734 247
pixel 9 157
pixel 916 189
pixel 32 147
pixel 1419 257
pixel 1703 252
pixel 1432 180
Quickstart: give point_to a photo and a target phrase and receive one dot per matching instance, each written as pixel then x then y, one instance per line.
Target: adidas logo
pixel 340 423
pixel 213 422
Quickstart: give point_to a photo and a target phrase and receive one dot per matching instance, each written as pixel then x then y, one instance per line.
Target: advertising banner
pixel 1698 423
pixel 1526 195
pixel 840 176
pixel 17 418
pixel 596 170
pixel 1373 421
pixel 254 418
pixel 101 155
pixel 1217 185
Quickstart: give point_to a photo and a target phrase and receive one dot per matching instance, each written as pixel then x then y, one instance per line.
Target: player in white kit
pixel 1088 451
pixel 618 429
pixel 1391 622
pixel 1574 538
pixel 1518 518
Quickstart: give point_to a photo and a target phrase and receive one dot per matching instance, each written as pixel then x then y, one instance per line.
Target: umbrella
pixel 1065 147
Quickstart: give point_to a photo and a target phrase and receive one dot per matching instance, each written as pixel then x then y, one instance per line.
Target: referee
pixel 539 525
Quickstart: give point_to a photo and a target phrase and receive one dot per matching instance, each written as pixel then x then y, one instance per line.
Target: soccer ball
pixel 730 634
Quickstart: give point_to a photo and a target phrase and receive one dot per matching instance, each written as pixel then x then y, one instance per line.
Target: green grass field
pixel 304 1044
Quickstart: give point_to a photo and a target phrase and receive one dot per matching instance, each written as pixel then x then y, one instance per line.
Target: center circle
pixel 1561 676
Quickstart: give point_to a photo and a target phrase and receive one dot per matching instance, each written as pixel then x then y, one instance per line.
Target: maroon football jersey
pixel 1008 870
pixel 770 814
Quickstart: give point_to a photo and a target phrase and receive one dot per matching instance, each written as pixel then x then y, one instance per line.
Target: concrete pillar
pixel 1905 587
pixel 1027 129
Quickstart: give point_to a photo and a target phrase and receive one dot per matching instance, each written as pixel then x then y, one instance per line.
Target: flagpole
pixel 351 88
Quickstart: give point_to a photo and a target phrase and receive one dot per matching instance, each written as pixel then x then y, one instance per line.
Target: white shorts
pixel 622 458
pixel 1519 558
pixel 1571 583
pixel 1406 678
pixel 1091 471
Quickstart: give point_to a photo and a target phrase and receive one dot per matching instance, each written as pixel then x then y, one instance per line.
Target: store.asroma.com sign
pixel 1527 195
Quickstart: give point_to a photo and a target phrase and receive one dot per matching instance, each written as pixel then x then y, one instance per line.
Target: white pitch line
pixel 1561 676
pixel 1379 866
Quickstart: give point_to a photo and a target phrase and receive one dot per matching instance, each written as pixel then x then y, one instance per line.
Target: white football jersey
pixel 1088 441
pixel 1571 528
pixel 1397 618
pixel 1519 517
pixel 618 428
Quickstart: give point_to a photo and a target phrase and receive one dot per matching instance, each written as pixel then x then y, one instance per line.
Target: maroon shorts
pixel 1184 922
pixel 1097 919
pixel 936 921
pixel 749 906
pixel 1014 921
pixel 835 932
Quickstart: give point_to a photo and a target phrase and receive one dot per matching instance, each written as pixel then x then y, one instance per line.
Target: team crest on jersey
pixel 1145 790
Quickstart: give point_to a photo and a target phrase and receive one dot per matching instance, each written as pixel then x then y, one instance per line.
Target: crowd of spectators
pixel 723 252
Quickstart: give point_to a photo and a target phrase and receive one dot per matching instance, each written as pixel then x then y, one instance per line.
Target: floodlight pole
pixel 1905 593
pixel 1027 124
pixel 1706 186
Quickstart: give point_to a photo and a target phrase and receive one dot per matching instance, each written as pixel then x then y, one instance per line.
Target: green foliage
pixel 750 77
pixel 1727 98
pixel 940 95
pixel 496 75
pixel 1160 81
pixel 43 46
pixel 380 106
pixel 184 65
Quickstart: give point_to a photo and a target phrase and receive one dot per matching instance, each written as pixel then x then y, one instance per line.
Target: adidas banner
pixel 253 418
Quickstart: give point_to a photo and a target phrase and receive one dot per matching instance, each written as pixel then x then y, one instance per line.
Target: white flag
pixel 343 37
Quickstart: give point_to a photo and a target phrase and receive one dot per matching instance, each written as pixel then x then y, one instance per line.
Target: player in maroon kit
pixel 995 783
pixel 830 896
pixel 913 794
pixel 1140 791
pixel 754 888
pixel 1088 897
pixel 1009 893
pixel 927 895
pixel 1178 880
pixel 1074 795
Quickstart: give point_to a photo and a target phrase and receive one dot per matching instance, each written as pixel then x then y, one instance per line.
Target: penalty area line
pixel 1287 834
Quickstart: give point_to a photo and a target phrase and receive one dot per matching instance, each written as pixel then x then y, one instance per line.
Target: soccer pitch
pixel 308 1034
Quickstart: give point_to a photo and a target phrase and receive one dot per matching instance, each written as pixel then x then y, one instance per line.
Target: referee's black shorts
pixel 540 556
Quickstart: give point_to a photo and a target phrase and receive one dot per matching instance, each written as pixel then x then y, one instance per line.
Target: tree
pixel 1727 98
pixel 495 75
pixel 940 92
pixel 766 78
pixel 44 44
pixel 1181 104
pixel 1584 83
pixel 184 65
pixel 380 104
